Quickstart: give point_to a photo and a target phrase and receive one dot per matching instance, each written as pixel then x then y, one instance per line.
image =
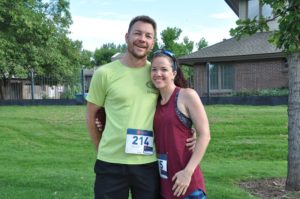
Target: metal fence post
pixel 82 85
pixel 32 83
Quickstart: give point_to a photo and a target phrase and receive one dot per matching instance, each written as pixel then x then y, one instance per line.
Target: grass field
pixel 45 151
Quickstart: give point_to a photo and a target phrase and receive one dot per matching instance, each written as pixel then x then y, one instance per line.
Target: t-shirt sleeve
pixel 97 89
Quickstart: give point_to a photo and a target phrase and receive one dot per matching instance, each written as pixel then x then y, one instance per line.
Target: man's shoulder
pixel 109 67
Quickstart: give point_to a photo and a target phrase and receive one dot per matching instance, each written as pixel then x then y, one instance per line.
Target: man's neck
pixel 131 61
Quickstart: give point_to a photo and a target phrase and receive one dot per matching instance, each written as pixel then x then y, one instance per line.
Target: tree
pixel 169 37
pixel 202 44
pixel 287 38
pixel 87 60
pixel 34 37
pixel 106 51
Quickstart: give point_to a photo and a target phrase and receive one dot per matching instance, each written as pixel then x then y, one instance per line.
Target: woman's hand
pixel 181 181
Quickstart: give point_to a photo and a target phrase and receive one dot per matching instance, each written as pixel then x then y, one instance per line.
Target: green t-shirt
pixel 130 101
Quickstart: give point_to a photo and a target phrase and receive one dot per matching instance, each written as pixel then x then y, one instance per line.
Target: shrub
pixel 262 92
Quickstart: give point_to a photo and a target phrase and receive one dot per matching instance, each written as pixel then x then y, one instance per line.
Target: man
pixel 126 159
pixel 126 156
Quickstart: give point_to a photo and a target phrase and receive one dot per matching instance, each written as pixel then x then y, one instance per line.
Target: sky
pixel 98 22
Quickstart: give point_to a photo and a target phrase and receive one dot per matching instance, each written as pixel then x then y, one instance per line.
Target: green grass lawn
pixel 45 151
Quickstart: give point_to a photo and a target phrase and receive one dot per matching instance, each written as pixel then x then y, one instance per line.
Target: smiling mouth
pixel 141 46
pixel 158 80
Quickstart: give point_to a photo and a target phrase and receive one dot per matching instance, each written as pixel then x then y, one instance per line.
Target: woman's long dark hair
pixel 180 80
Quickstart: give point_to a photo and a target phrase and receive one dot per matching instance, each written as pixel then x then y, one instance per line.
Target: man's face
pixel 140 39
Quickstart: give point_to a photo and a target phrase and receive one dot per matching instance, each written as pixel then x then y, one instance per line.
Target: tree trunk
pixel 4 82
pixel 1 89
pixel 293 177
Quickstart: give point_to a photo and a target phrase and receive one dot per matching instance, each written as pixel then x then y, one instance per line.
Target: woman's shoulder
pixel 185 92
pixel 189 96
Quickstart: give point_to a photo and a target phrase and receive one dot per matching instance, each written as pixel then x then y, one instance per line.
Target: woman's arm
pixel 190 104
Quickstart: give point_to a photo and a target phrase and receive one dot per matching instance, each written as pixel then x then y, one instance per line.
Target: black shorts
pixel 114 181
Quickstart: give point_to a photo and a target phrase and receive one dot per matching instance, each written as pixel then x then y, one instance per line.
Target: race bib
pixel 139 142
pixel 162 160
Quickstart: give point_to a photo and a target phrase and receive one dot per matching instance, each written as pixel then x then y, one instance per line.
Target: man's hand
pixel 191 142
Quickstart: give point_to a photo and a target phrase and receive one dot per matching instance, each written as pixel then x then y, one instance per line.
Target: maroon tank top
pixel 170 139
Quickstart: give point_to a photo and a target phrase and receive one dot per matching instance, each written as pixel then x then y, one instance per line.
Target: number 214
pixel 140 140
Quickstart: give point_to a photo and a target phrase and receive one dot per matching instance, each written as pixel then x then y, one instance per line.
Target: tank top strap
pixel 186 121
pixel 175 93
pixel 172 99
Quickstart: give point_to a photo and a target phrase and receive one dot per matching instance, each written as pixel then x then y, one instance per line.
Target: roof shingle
pixel 248 47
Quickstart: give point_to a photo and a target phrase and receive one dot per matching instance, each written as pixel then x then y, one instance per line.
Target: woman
pixel 177 109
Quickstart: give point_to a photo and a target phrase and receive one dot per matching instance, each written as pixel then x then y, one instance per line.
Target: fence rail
pixel 236 100
pixel 39 88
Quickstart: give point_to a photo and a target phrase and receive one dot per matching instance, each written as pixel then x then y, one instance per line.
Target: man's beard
pixel 136 55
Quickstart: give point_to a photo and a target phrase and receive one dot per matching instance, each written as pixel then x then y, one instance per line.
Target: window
pixel 255 9
pixel 221 77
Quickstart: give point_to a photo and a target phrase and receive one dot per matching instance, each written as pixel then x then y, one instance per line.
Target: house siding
pixel 260 75
pixel 200 79
pixel 249 75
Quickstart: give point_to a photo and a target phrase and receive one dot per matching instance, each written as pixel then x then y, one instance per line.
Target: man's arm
pixel 95 134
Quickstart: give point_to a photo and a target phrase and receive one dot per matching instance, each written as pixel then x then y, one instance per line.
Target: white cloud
pixel 212 35
pixel 94 32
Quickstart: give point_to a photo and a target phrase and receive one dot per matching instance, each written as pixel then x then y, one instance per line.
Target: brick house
pixel 250 63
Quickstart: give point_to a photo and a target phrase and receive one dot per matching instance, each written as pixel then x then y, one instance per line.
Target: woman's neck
pixel 166 93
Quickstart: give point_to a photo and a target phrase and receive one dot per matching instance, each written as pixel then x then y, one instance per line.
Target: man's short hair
pixel 143 18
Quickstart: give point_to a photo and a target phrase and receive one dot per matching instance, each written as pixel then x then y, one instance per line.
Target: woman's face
pixel 162 74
